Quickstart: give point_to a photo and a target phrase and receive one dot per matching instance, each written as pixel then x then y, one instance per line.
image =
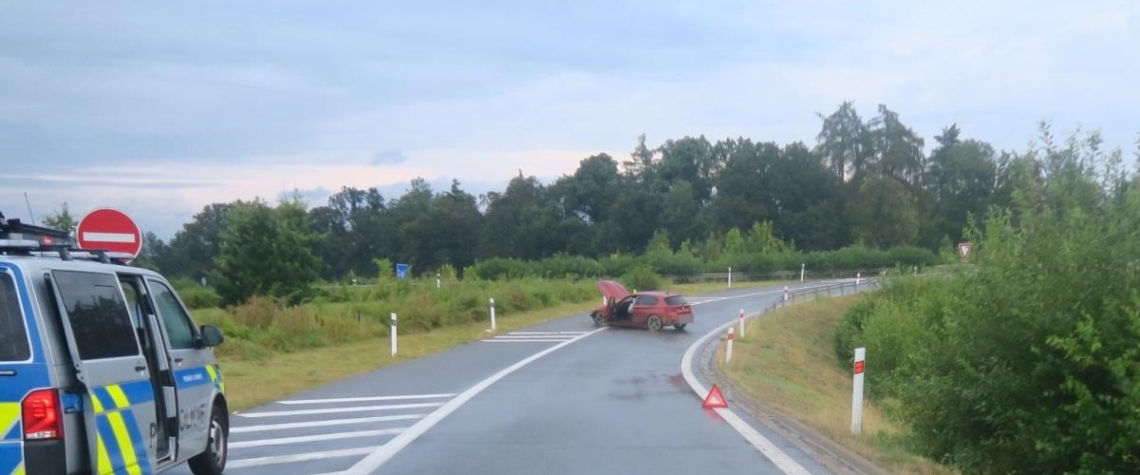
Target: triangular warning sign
pixel 964 250
pixel 715 399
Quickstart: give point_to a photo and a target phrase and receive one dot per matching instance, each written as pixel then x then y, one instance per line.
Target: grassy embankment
pixel 271 352
pixel 786 361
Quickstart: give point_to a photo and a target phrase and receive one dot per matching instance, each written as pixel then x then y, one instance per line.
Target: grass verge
pixel 706 287
pixel 786 362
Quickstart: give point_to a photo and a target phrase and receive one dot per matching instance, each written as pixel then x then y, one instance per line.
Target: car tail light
pixel 43 418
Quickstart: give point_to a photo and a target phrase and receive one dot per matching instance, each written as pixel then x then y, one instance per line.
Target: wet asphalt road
pixel 612 401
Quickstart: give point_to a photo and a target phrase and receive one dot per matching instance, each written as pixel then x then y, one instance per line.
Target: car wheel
pixel 213 460
pixel 654 323
pixel 599 319
pixel 680 326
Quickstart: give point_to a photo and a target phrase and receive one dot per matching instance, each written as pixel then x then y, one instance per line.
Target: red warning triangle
pixel 715 399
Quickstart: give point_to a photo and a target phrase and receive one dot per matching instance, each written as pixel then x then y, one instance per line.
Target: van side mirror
pixel 211 336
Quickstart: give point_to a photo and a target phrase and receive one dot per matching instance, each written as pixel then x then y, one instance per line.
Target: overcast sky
pixel 159 108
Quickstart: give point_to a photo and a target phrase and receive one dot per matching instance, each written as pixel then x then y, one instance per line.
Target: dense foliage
pixel 864 181
pixel 1028 361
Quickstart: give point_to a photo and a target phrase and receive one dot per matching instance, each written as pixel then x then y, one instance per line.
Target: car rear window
pixel 675 300
pixel 13 334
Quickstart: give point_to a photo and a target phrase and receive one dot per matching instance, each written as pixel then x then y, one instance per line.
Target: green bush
pixel 502 268
pixel 642 277
pixel 1026 363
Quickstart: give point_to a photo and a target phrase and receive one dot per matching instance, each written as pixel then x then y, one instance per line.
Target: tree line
pixel 863 182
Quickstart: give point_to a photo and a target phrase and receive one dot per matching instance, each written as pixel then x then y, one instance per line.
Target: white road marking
pixel 781 459
pixel 316 438
pixel 374 460
pixel 108 237
pixel 279 459
pixel 335 410
pixel 367 399
pixel 325 423
pixel 525 341
pixel 548 333
pixel 532 337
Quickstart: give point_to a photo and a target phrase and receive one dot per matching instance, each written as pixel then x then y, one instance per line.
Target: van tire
pixel 213 460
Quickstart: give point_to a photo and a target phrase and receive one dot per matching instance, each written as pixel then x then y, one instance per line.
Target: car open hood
pixel 612 290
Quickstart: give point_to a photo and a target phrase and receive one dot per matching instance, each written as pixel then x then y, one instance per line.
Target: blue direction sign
pixel 401 271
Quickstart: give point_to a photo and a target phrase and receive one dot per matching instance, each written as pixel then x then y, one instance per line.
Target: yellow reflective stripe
pixel 104 460
pixel 9 416
pixel 118 396
pixel 215 373
pixel 95 404
pixel 19 469
pixel 123 438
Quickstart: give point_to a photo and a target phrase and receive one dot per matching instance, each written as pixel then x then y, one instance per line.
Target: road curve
pixel 557 398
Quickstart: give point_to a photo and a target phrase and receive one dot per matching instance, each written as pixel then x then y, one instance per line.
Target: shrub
pixel 642 277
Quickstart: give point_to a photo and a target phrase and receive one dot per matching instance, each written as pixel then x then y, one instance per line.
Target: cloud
pixel 197 105
pixel 388 157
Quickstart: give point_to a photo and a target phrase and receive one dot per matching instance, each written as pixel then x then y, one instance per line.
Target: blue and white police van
pixel 102 369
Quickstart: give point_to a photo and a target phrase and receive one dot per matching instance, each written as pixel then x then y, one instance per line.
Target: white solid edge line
pixel 324 423
pixel 524 337
pixel 781 459
pixel 291 458
pixel 531 340
pixel 367 399
pixel 315 438
pixel 336 410
pixel 374 460
pixel 549 333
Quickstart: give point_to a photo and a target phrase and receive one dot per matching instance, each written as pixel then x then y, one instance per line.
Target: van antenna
pixel 30 213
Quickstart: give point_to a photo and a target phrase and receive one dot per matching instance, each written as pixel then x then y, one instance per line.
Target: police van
pixel 102 370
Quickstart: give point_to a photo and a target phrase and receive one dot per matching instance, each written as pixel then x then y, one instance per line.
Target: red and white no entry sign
pixel 111 230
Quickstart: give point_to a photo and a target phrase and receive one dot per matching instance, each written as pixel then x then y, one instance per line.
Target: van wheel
pixel 654 323
pixel 213 460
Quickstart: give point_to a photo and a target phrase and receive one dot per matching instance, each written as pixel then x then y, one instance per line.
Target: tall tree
pixel 195 246
pixel 266 251
pixel 897 148
pixel 61 219
pixel 845 142
pixel 884 213
pixel 961 179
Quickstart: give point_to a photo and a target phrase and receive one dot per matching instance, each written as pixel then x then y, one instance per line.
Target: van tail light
pixel 43 419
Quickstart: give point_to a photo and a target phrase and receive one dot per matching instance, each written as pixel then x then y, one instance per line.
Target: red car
pixel 652 310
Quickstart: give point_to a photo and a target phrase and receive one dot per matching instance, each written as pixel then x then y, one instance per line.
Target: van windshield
pixel 13 335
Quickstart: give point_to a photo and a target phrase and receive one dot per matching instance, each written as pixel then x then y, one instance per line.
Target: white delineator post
pixel 730 277
pixel 857 392
pixel 785 294
pixel 392 330
pixel 742 323
pixel 803 267
pixel 492 314
pixel 858 277
pixel 728 349
pixel 437 280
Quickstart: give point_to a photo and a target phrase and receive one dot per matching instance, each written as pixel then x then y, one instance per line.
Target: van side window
pixel 179 330
pixel 13 335
pixel 97 314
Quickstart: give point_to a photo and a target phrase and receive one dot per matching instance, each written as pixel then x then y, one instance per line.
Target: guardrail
pixel 812 293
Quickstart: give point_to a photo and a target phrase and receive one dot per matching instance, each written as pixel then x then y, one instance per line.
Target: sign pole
pixel 857 392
